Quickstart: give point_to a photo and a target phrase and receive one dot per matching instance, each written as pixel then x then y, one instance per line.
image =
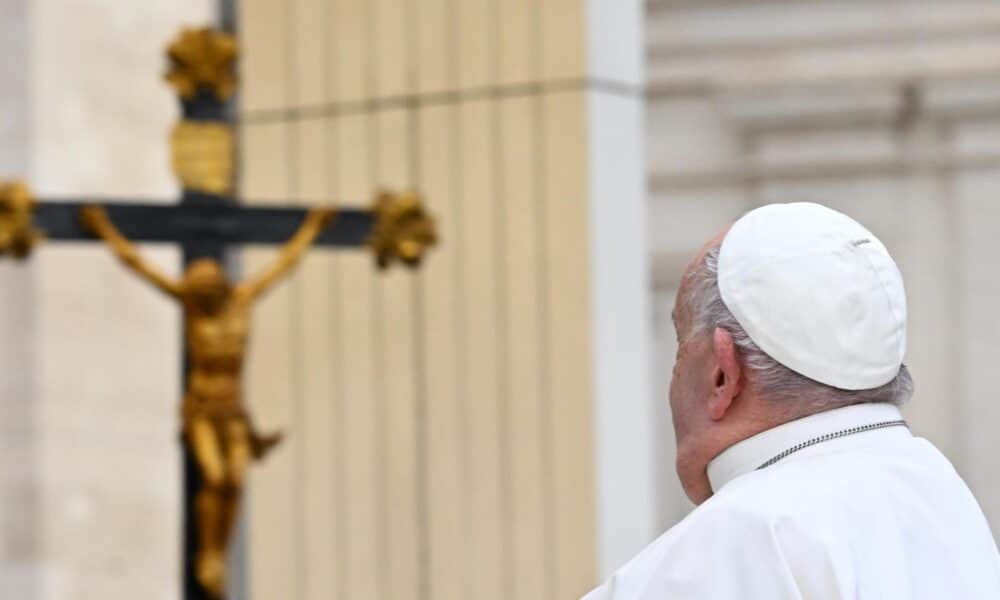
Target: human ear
pixel 727 376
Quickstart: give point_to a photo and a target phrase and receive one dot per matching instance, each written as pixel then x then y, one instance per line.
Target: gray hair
pixel 775 381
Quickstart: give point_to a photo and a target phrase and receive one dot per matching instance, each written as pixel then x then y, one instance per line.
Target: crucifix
pixel 219 438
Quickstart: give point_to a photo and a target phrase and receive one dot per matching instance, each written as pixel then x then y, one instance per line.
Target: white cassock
pixel 879 514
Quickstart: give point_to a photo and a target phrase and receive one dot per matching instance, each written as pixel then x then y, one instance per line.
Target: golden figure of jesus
pixel 216 425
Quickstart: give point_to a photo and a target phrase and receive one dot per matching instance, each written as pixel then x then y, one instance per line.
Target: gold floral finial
pixel 203 58
pixel 17 207
pixel 402 231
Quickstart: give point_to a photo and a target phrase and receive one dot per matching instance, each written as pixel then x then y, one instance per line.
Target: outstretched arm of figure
pixel 314 224
pixel 95 220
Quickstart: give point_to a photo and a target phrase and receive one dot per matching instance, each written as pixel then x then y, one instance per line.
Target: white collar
pixel 745 456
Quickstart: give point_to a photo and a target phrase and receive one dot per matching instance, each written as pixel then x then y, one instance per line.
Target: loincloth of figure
pixel 227 417
pixel 214 398
pixel 220 413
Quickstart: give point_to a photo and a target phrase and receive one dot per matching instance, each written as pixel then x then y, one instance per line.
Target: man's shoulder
pixel 806 510
pixel 746 513
pixel 747 526
pixel 709 530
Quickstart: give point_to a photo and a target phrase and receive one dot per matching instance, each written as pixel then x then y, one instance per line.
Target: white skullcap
pixel 817 292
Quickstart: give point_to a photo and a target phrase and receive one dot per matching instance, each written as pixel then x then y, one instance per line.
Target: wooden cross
pixel 206 221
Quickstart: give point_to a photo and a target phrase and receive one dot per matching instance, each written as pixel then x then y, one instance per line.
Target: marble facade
pixel 888 111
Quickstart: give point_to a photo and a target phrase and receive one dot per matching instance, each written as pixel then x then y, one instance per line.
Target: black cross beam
pixel 206 224
pixel 201 219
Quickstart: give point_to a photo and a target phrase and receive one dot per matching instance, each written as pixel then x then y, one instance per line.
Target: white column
pixel 89 369
pixel 19 572
pixel 624 411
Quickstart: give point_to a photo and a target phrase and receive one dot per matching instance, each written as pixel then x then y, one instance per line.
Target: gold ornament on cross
pixel 203 59
pixel 17 208
pixel 402 230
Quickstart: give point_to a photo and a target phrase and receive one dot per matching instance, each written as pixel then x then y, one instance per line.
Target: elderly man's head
pixel 726 388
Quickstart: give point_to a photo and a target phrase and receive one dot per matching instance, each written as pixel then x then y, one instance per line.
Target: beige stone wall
pixel 89 376
pixel 441 436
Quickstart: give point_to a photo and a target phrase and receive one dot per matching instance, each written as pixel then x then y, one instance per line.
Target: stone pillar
pixel 89 356
pixel 622 320
pixel 481 429
pixel 19 514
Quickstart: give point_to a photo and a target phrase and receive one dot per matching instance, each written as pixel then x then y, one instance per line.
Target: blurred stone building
pixel 889 111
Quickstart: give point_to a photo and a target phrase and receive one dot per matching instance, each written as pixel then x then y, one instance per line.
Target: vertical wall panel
pixel 563 51
pixel 308 45
pixel 569 320
pixel 398 375
pixel 263 55
pixel 269 378
pixel 518 40
pixel 350 49
pixel 271 496
pixel 434 28
pixel 476 28
pixel 488 514
pixel 265 173
pixel 391 32
pixel 444 361
pixel 527 412
pixel 313 318
pixel 364 501
pixel 442 437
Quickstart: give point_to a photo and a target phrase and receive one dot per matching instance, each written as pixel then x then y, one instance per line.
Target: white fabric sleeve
pixel 736 553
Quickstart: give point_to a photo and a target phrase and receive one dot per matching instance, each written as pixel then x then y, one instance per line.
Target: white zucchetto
pixel 817 292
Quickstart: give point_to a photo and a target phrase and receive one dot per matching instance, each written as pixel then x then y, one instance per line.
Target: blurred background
pixel 493 425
